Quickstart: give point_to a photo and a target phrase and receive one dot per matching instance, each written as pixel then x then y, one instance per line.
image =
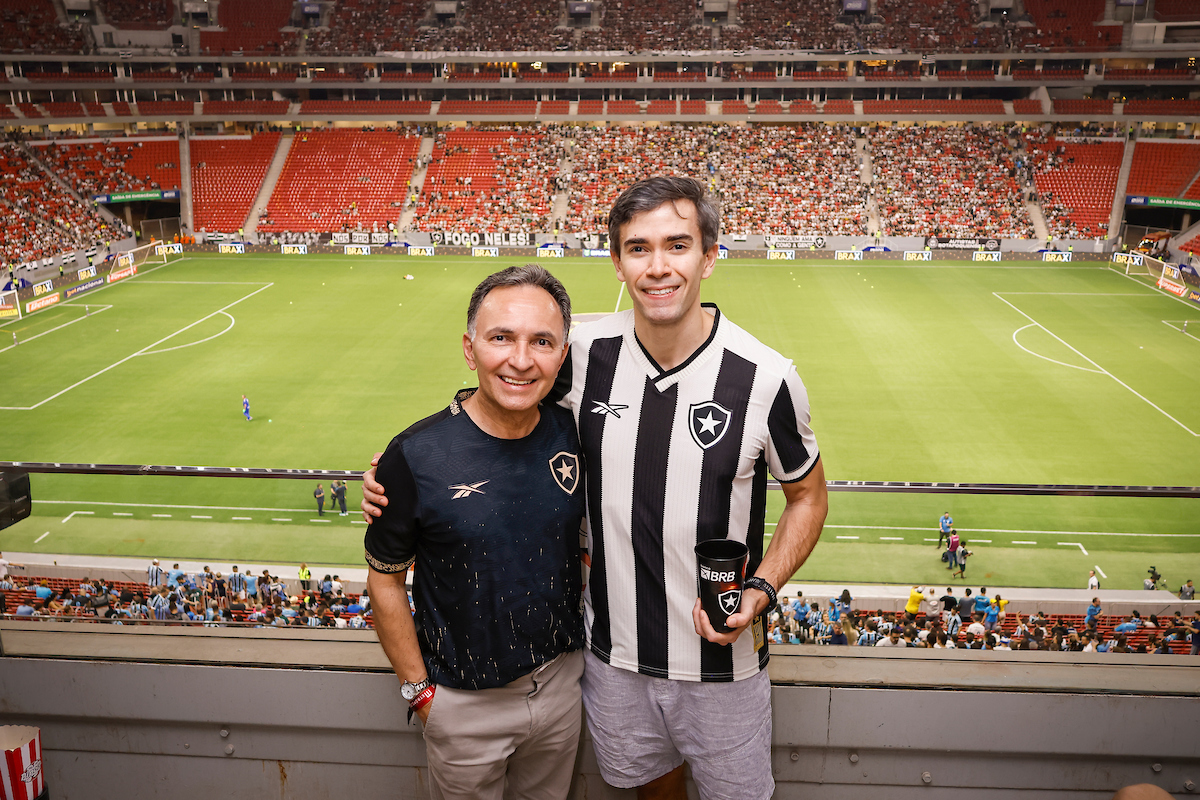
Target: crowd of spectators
pixel 1075 180
pixel 490 180
pixel 41 219
pixel 955 181
pixel 32 26
pixel 106 167
pixel 639 25
pixel 204 598
pixel 139 14
pixel 979 622
pixel 770 180
pixel 502 25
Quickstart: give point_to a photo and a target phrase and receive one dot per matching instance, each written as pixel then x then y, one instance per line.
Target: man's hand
pixel 753 602
pixel 423 711
pixel 373 500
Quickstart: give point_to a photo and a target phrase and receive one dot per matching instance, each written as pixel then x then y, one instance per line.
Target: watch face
pixel 408 691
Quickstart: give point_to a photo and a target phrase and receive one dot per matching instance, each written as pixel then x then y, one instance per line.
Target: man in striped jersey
pixel 155 575
pixel 681 414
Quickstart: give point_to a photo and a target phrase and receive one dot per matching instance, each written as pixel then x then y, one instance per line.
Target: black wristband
pixel 755 582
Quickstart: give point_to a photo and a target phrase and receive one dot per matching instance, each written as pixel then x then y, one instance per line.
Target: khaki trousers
pixel 515 741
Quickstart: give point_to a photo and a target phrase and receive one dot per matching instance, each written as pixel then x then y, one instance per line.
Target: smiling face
pixel 662 260
pixel 517 350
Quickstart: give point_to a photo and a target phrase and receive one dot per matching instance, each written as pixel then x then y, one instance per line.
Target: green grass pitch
pixel 924 372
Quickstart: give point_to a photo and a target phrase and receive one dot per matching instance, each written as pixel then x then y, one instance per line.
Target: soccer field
pixel 937 371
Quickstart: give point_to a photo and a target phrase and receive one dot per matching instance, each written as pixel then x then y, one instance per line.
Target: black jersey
pixel 494 528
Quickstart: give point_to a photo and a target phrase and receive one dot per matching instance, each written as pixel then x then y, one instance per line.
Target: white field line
pixel 1015 541
pixel 73 513
pixel 281 519
pixel 320 520
pixel 161 516
pixel 1102 575
pixel 847 537
pixel 1165 322
pixel 1187 303
pixel 60 327
pixel 143 351
pixel 97 290
pixel 620 292
pixel 981 541
pixel 201 516
pixel 122 514
pixel 1047 358
pixel 228 328
pixel 43 536
pixel 242 519
pixel 359 522
pixel 166 505
pixel 1073 544
pixel 969 530
pixel 891 538
pixel 1097 366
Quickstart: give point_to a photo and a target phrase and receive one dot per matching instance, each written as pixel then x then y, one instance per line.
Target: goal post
pixel 152 253
pixel 10 306
pixel 1139 264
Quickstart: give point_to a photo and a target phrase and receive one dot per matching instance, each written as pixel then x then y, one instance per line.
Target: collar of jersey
pixel 663 378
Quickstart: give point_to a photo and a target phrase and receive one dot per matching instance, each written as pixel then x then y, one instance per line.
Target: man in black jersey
pixel 486 497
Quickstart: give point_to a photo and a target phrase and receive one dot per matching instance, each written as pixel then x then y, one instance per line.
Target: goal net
pixel 153 253
pixel 10 307
pixel 1139 264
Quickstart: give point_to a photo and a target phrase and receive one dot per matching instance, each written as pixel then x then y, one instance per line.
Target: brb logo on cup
pixel 708 574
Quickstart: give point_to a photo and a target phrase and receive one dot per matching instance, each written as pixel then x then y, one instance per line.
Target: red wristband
pixel 423 698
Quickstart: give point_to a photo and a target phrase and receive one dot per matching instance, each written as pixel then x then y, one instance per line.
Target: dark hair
pixel 528 275
pixel 649 194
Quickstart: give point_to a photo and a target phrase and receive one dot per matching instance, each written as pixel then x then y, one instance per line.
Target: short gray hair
pixel 528 275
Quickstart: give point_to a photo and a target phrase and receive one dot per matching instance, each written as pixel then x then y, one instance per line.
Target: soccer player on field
pixel 246 408
pixel 681 415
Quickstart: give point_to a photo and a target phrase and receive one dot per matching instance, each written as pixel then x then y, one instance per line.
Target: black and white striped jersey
pixel 675 457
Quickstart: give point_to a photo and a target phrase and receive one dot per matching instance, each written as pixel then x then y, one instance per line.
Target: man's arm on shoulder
pixel 796 535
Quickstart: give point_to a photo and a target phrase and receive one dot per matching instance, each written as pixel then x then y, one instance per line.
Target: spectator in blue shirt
pixel 982 603
pixel 173 576
pixel 43 592
pixel 1093 611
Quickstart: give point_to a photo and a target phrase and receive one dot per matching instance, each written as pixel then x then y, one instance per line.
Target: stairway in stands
pixel 268 184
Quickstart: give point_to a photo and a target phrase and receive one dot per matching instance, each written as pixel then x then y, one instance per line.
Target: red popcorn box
pixel 21 775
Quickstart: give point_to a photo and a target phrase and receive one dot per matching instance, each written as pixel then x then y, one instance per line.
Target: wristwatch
pixel 409 691
pixel 755 582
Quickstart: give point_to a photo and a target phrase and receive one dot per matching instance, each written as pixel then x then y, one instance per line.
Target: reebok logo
pixel 462 490
pixel 609 409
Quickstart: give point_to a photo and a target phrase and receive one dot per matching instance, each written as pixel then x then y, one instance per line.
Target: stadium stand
pixel 341 179
pixel 661 76
pixel 32 26
pixel 771 106
pixel 543 77
pixel 1172 108
pixel 623 107
pixel 1064 26
pixel 165 108
pixel 503 25
pixel 487 108
pixel 122 109
pixel 63 109
pixel 838 107
pixel 115 166
pixel 263 77
pixel 41 218
pixel 95 109
pixel 382 108
pixel 737 107
pixel 251 28
pixel 133 15
pixel 6 112
pixel 598 77
pixel 590 107
pixel 784 25
pixel 261 108
pixel 227 174
pixel 649 24
pixel 556 107
pixel 802 107
pixel 490 181
pixel 57 76
pixel 29 111
pixel 1176 10
pixel 663 108
pixel 482 76
pixel 925 107
pixel 396 76
pixel 1076 182
pixel 693 107
pixel 1086 106
pixel 1162 169
pixel 364 27
pixel 1148 74
pixel 820 75
pixel 1027 106
pixel 947 181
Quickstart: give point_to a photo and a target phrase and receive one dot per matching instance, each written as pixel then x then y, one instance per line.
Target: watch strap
pixel 421 700
pixel 755 582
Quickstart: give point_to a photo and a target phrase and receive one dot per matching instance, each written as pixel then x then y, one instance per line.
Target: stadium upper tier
pixel 368 27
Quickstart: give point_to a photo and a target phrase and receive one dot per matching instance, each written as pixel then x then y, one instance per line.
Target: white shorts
pixel 644 727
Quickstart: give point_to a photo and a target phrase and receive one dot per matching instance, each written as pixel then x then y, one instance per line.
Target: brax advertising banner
pixel 509 239
pixel 943 243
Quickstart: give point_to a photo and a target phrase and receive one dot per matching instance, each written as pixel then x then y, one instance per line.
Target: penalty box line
pixel 147 350
pixel 1101 369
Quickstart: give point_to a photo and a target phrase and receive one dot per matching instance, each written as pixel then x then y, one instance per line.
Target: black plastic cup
pixel 720 574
